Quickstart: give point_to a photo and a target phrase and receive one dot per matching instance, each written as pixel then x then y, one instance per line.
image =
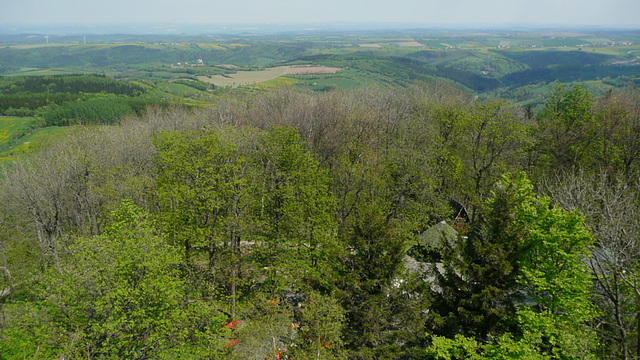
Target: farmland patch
pixel 305 70
pixel 243 78
pixel 410 44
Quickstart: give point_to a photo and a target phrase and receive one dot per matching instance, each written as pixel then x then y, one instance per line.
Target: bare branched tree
pixel 611 209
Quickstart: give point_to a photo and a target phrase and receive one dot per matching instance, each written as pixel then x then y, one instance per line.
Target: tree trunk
pixel 235 265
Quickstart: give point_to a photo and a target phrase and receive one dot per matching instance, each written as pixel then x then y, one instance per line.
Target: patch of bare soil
pixel 411 44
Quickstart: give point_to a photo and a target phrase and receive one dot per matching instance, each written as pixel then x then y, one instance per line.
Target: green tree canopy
pixel 520 272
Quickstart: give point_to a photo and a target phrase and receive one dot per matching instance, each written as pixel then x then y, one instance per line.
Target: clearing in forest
pixel 243 78
pixel 411 44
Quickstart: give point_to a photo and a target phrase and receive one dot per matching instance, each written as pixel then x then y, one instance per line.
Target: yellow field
pixel 277 82
pixel 4 133
pixel 205 46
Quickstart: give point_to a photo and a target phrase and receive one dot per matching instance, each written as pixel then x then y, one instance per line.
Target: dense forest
pixel 288 224
pixel 72 99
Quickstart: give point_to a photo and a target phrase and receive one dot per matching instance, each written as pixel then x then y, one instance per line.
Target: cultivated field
pixel 410 44
pixel 306 70
pixel 243 78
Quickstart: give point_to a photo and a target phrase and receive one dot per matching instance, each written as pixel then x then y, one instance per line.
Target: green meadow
pixel 20 135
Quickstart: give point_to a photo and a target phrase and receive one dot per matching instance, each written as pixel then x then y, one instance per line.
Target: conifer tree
pixel 520 274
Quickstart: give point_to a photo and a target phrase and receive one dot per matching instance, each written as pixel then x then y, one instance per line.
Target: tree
pixel 296 213
pixel 534 248
pixel 554 276
pixel 618 132
pixel 462 347
pixel 320 321
pixel 266 331
pixel 477 292
pixel 609 204
pixel 449 125
pixel 119 294
pixel 494 137
pixel 566 128
pixel 366 283
pixel 205 188
pixel 68 186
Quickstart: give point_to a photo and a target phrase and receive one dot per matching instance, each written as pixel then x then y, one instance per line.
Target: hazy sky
pixel 553 12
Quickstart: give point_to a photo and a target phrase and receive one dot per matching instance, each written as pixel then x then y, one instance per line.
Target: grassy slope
pixel 17 138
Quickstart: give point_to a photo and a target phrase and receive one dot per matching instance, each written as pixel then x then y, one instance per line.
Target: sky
pixel 623 13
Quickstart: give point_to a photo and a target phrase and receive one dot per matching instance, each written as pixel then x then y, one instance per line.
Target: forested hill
pixel 69 84
pixel 518 65
pixel 286 223
pixel 71 99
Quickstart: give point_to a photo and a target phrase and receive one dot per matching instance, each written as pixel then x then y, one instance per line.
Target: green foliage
pixel 496 137
pixel 199 178
pixel 319 329
pixel 452 349
pixel 579 133
pixel 27 336
pixel 198 85
pixel 308 329
pixel 557 335
pixel 296 210
pixel 32 101
pixel 71 84
pixel 97 110
pixel 553 269
pixel 553 274
pixel 377 249
pixel 267 329
pixel 219 188
pixel 617 133
pixel 117 295
pixel 461 347
pixel 33 92
pixel 296 221
pixel 567 128
pixel 479 283
pixel 73 99
pixel 449 127
pixel 522 246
